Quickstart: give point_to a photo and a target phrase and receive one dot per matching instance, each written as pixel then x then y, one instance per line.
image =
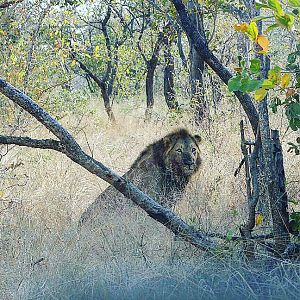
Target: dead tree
pixel 66 144
pixel 252 187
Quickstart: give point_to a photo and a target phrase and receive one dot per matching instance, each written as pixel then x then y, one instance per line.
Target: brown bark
pixel 169 69
pixel 197 65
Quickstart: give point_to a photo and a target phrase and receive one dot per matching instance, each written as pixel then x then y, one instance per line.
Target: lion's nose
pixel 187 161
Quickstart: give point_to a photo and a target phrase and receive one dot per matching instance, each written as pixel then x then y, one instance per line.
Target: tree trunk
pixel 169 91
pixel 102 85
pixel 197 66
pixel 107 105
pixel 180 48
pixel 151 66
pixel 278 202
pixel 280 177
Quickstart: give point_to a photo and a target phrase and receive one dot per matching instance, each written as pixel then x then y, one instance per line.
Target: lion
pixel 162 171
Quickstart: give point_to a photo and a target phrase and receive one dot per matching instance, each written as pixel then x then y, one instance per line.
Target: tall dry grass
pixel 43 256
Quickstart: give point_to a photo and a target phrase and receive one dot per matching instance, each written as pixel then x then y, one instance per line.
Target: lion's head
pixel 181 153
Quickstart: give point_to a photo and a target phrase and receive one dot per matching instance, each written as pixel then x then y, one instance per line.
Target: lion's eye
pixel 179 150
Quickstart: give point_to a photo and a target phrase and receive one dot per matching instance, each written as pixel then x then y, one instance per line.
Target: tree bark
pixel 197 65
pixel 180 48
pixel 278 210
pixel 67 145
pixel 169 69
pixel 151 66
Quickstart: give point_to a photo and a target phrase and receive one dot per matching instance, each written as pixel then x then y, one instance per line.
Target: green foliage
pixel 284 82
pixel 295 147
pixel 294 224
pixel 246 80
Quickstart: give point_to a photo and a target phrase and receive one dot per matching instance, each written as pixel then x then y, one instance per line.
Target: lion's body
pixel 158 172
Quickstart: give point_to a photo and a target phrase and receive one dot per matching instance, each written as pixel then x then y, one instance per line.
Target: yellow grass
pixel 41 252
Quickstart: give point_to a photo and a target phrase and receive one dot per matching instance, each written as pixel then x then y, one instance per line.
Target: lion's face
pixel 182 156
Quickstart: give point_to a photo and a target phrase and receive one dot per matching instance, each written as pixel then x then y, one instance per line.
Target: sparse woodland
pixel 86 85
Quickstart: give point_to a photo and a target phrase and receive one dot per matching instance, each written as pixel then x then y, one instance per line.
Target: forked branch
pixel 67 145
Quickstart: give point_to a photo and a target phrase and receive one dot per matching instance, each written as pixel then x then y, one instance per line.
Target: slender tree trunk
pixel 197 65
pixel 180 48
pixel 107 105
pixel 169 90
pixel 151 66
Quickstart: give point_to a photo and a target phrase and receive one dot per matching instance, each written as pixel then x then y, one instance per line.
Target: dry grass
pixel 42 256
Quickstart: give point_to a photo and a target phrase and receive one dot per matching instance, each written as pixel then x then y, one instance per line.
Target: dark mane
pixel 158 148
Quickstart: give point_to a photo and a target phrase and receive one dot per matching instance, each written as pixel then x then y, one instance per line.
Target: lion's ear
pixel 197 138
pixel 167 141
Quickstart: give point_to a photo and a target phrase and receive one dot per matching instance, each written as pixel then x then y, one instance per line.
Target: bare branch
pixel 33 143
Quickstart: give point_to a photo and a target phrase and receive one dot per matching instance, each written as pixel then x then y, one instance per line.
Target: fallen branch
pixel 33 143
pixel 66 144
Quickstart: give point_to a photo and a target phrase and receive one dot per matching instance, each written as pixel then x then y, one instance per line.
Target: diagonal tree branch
pixel 70 147
pixel 203 50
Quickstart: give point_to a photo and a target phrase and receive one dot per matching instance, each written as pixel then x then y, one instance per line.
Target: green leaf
pixel 260 94
pixel 251 85
pixel 286 20
pixel 252 31
pixel 268 84
pixel 276 7
pixel 295 107
pixel 274 104
pixel 255 65
pixel 294 3
pixel 293 114
pixel 259 4
pixel 260 18
pixel 234 83
pixel 293 124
